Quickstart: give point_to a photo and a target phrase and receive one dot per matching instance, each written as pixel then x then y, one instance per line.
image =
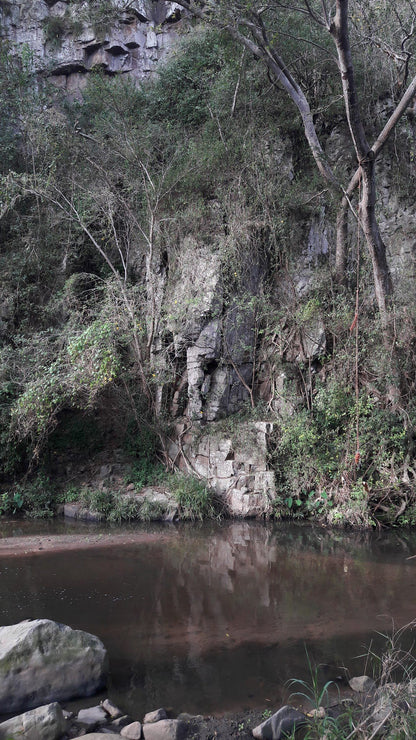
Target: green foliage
pixel 314 457
pixel 11 502
pixel 93 356
pixel 145 471
pixel 143 444
pixel 55 28
pixel 195 499
pixel 114 506
pixel 34 498
pixel 311 690
pixel 17 99
pixel 182 91
pixel 101 14
pixel 96 190
pixel 393 669
pixel 99 500
pixel 311 448
pixel 87 365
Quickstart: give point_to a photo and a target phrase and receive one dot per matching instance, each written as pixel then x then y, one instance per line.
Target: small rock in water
pixel 281 724
pixel 166 729
pixel 132 731
pixel 92 716
pixel 318 713
pixel 363 684
pixel 96 736
pixel 155 716
pixel 111 709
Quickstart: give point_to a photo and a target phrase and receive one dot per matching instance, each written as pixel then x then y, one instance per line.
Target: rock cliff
pixel 239 302
pixel 69 39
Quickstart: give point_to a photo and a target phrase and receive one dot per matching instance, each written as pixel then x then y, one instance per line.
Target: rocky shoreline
pixel 44 664
pixel 372 708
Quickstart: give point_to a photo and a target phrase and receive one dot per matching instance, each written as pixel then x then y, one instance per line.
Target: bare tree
pixel 247 23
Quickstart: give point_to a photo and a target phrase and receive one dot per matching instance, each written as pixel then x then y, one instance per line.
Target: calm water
pixel 217 617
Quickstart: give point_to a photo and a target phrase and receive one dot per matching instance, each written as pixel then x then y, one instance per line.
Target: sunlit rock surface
pixel 43 661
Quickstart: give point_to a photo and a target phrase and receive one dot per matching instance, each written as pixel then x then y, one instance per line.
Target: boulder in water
pixel 42 661
pixel 43 723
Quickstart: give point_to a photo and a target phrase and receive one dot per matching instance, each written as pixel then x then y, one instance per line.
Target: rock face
pixel 235 466
pixel 212 337
pixel 69 39
pixel 43 661
pixel 43 723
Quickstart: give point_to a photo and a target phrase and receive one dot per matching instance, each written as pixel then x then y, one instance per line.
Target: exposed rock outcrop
pixel 69 39
pixel 236 466
pixel 42 661
pixel 212 336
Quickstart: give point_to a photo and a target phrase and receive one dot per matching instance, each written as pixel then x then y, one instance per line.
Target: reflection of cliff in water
pixel 214 616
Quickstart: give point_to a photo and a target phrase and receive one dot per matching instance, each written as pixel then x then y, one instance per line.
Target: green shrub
pixel 317 475
pixel 312 446
pixel 143 445
pixel 36 498
pixel 55 28
pixel 100 501
pixel 195 499
pixel 181 93
pixel 145 472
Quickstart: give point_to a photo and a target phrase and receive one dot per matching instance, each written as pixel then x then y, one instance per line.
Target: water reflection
pixel 217 617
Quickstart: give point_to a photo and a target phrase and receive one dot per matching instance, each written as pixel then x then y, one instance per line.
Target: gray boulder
pixel 132 731
pixel 155 716
pixel 92 716
pixel 111 709
pixel 362 684
pixel 43 661
pixel 98 736
pixel 280 725
pixel 43 723
pixel 166 729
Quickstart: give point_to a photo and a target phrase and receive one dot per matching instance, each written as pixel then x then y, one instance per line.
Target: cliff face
pixel 69 39
pixel 233 258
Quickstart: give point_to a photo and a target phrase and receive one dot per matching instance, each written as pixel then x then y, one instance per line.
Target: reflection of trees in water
pixel 247 581
pixel 211 607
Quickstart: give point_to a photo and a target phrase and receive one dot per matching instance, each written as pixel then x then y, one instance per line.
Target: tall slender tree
pixel 255 25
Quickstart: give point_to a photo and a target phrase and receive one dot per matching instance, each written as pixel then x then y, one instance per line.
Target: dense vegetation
pixel 97 198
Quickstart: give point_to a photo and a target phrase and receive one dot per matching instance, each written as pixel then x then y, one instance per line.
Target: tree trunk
pixel 342 216
pixel 342 242
pixel 366 161
pixel 257 41
pixel 376 247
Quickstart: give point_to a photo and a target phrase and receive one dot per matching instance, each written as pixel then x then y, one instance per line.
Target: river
pixel 212 617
